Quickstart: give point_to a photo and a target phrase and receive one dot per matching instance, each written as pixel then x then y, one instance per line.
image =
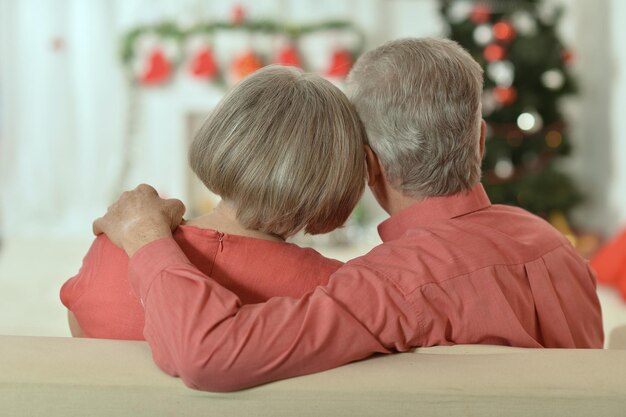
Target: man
pixel 452 269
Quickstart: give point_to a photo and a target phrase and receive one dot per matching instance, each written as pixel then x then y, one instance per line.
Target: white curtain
pixel 62 115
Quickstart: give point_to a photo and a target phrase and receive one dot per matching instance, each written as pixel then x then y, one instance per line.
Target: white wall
pixel 595 162
pixel 597 33
pixel 617 85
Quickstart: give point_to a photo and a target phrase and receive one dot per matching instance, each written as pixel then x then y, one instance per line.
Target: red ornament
pixel 567 56
pixel 203 64
pixel 158 70
pixel 340 64
pixel 494 52
pixel 481 13
pixel 505 95
pixel 609 265
pixel 503 31
pixel 245 64
pixel 238 14
pixel 288 56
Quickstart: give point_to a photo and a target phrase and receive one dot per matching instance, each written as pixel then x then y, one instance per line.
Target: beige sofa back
pixel 82 377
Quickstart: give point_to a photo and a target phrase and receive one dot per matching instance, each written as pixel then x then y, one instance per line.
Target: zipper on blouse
pixel 220 238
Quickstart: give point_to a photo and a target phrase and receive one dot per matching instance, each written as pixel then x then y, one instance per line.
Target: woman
pixel 284 151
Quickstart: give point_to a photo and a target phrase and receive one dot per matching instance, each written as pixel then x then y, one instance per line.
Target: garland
pixel 156 63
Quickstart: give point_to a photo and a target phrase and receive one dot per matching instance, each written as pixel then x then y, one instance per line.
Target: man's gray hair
pixel 420 102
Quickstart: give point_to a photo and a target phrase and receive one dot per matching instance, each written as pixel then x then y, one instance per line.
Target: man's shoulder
pixel 518 226
pixel 498 236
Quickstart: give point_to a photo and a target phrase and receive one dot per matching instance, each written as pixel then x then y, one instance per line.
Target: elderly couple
pixel 225 303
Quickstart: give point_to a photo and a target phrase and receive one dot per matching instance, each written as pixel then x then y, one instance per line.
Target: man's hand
pixel 139 217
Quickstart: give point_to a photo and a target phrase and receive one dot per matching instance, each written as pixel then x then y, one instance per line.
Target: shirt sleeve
pixel 75 287
pixel 199 330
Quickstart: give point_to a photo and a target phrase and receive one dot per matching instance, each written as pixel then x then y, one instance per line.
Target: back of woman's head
pixel 286 149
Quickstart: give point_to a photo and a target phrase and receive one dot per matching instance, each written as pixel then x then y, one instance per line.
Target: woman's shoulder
pixel 244 255
pixel 290 259
pixel 101 265
pixel 311 256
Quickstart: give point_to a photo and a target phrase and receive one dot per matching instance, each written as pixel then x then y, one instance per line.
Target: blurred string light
pixel 504 168
pixel 524 23
pixel 480 13
pixel 501 72
pixel 483 34
pixel 459 11
pixel 553 79
pixel 554 139
pixel 494 52
pixel 505 95
pixel 503 31
pixel 529 121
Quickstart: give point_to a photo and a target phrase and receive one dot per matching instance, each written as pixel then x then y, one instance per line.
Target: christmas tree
pixel 527 73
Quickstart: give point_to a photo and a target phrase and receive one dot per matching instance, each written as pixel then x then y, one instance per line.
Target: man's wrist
pixel 143 233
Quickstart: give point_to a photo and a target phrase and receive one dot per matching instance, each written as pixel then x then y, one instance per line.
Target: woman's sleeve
pixel 75 287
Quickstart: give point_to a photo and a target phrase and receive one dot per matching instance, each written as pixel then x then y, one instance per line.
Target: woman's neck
pixel 223 218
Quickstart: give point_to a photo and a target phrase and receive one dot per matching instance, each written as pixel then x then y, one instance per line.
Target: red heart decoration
pixel 203 65
pixel 289 57
pixel 245 65
pixel 340 64
pixel 159 69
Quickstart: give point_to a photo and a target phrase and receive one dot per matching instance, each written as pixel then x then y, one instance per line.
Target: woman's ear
pixel 374 171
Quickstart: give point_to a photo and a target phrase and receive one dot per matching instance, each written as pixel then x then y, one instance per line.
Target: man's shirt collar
pixel 433 209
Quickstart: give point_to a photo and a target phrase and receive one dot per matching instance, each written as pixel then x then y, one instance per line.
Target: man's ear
pixel 483 134
pixel 374 171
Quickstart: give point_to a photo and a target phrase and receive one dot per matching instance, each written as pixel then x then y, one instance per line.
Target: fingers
pixel 146 189
pixel 175 210
pixel 176 206
pixel 143 201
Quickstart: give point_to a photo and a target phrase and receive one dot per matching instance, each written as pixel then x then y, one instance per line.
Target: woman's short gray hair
pixel 420 101
pixel 286 149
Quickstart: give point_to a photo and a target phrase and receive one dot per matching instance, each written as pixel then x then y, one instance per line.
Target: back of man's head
pixel 419 100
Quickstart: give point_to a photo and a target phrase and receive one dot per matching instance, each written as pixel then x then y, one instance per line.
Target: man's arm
pixel 199 330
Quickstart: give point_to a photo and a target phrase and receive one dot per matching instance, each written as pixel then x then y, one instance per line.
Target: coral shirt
pixel 101 298
pixel 451 270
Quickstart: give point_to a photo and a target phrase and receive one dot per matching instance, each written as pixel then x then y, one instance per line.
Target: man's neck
pixel 397 201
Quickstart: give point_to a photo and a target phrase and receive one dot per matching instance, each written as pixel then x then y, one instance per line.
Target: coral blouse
pixel 105 306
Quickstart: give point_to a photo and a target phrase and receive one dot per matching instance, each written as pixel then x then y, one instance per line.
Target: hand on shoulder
pixel 139 217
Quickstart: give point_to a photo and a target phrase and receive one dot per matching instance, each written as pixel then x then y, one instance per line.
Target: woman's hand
pixel 139 217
